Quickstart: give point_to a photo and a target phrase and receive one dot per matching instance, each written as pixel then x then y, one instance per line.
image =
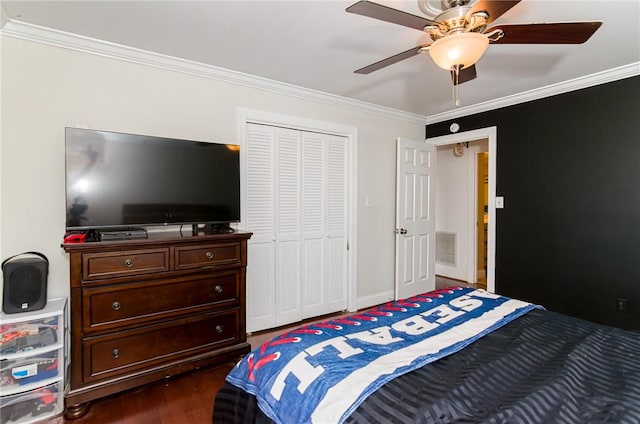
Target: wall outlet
pixel 622 304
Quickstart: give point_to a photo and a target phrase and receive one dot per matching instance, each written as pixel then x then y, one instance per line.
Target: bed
pixel 529 366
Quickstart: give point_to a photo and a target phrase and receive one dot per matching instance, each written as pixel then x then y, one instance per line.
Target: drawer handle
pixel 209 255
pixel 115 306
pixel 128 263
pixel 116 353
pixel 219 328
pixel 218 289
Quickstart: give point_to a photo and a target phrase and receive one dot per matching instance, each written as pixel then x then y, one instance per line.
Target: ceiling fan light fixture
pixel 464 48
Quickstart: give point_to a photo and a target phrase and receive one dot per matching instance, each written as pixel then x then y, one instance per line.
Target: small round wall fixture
pixel 454 127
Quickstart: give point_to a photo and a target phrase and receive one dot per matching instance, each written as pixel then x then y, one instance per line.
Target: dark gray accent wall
pixel 568 167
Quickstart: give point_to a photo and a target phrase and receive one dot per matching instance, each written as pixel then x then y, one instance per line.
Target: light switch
pixel 499 202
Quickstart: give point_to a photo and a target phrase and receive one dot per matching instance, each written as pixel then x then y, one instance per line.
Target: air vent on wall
pixel 446 248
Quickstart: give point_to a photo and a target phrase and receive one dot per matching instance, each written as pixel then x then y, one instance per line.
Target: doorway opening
pixel 460 212
pixel 465 215
pixel 482 217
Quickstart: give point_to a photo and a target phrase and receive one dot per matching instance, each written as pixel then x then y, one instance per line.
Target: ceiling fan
pixel 460 35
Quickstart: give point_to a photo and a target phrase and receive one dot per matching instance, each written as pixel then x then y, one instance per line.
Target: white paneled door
pixel 296 199
pixel 415 218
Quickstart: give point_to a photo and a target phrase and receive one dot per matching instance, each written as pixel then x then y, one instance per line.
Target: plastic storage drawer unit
pixel 32 364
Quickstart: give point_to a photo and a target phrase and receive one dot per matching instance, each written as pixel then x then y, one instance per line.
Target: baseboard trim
pixel 374 299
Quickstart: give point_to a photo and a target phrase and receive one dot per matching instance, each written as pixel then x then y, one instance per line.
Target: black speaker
pixel 24 283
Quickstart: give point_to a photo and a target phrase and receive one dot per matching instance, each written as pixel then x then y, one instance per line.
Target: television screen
pixel 116 180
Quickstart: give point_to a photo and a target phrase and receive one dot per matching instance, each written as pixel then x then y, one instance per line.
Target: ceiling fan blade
pixel 390 60
pixel 464 75
pixel 388 14
pixel 553 33
pixel 495 8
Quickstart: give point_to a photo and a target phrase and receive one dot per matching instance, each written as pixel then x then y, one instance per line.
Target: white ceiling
pixel 317 45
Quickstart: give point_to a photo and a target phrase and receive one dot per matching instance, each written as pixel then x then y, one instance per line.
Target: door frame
pixel 489 133
pixel 247 115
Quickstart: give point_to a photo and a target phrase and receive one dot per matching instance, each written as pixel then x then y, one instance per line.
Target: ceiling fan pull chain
pixel 456 77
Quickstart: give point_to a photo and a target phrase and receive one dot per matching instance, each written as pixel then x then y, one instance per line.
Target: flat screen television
pixel 121 181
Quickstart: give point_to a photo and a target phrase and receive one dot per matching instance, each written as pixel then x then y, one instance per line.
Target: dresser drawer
pixel 97 266
pixel 188 257
pixel 135 303
pixel 128 351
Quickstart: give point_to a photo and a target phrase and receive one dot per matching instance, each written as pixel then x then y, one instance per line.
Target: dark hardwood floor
pixel 184 399
pixel 187 398
pixel 444 282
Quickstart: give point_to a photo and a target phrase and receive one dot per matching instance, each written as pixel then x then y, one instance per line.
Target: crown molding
pixel 4 15
pixel 30 32
pixel 36 33
pixel 603 77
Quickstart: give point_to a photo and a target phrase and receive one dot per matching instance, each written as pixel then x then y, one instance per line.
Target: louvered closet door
pixel 296 209
pixel 324 223
pixel 273 215
pixel 260 219
pixel 288 232
pixel 336 263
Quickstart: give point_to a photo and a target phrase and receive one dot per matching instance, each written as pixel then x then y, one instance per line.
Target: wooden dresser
pixel 144 310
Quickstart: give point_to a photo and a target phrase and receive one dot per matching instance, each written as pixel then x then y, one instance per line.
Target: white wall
pixel 456 207
pixel 46 88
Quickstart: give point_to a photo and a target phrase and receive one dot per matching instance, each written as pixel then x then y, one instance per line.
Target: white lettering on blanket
pixel 340 397
pixel 321 372
pixel 424 322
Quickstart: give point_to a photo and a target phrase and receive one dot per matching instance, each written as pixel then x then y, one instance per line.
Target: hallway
pixel 443 282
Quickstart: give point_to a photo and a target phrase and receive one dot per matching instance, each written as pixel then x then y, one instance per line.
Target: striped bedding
pixel 543 367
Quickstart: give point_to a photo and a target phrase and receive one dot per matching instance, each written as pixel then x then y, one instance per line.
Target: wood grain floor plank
pixel 184 399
